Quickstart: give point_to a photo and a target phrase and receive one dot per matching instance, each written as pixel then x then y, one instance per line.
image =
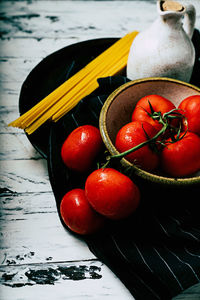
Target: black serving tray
pixel 164 220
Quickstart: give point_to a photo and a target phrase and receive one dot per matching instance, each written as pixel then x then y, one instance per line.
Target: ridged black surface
pixel 155 251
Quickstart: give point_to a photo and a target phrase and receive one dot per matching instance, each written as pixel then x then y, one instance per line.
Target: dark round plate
pixel 128 247
pixel 51 72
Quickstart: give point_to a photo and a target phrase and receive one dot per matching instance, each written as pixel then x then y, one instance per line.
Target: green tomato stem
pixel 165 125
pixel 154 138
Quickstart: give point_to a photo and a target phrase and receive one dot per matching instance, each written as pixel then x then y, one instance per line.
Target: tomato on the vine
pixel 132 134
pixel 81 148
pixel 77 213
pixel 112 193
pixel 181 158
pixel 149 104
pixel 190 107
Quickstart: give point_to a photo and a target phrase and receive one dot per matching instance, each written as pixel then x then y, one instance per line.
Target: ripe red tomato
pixel 182 158
pixel 142 110
pixel 81 148
pixel 133 134
pixel 191 109
pixel 112 193
pixel 77 213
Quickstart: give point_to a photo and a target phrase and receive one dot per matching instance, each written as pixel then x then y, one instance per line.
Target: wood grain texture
pixel 72 18
pixel 30 223
pixel 76 280
pixel 39 259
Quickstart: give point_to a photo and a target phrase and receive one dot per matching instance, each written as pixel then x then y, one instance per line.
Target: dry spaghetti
pixel 68 94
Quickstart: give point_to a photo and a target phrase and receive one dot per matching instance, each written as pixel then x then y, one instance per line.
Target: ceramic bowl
pixel 118 108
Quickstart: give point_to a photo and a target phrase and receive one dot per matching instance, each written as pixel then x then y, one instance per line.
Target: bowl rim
pixel 111 148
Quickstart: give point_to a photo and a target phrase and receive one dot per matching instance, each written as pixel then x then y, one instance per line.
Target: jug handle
pixel 189 20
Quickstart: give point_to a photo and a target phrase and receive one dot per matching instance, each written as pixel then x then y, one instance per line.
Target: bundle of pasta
pixel 67 95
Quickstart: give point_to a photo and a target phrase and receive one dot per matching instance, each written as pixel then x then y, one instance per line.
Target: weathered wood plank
pixel 16 69
pixel 30 48
pixel 16 146
pixel 24 175
pixel 14 143
pixel 72 18
pixel 9 92
pixel 77 280
pixel 31 232
pixel 7 113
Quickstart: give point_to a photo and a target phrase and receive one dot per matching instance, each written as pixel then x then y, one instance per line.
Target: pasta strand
pixel 67 95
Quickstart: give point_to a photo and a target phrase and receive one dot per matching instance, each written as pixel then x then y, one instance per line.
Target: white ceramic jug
pixel 165 49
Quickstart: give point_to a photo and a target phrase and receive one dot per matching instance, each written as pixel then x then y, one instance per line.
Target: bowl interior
pixel 119 106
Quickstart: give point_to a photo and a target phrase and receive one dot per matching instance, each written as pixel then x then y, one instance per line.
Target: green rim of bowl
pixel 111 148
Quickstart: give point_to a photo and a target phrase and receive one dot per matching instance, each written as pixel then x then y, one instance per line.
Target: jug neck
pixel 172 20
pixel 171 15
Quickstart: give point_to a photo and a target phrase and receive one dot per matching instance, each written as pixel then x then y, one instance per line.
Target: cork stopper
pixel 171 6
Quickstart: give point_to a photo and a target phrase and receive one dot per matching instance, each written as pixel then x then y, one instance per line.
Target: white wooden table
pixel 39 259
